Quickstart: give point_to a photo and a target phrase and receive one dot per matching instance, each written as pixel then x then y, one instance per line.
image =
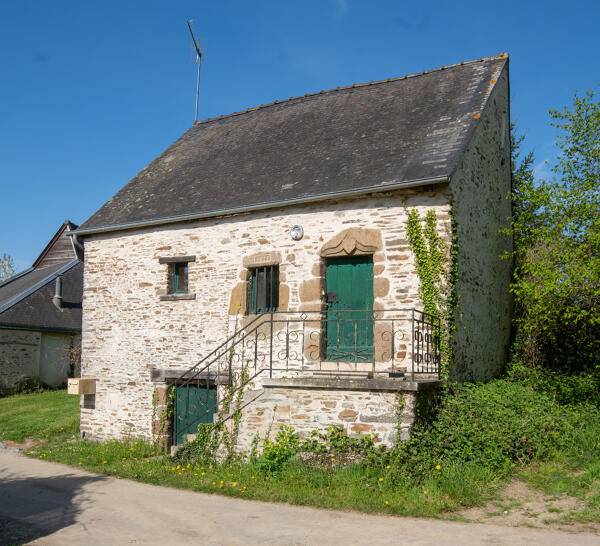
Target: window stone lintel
pixel 177 297
pixel 176 259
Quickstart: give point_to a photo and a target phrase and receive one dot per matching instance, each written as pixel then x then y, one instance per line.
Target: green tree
pixel 556 227
pixel 7 267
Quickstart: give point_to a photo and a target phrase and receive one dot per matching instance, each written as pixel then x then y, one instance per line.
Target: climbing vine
pixel 437 270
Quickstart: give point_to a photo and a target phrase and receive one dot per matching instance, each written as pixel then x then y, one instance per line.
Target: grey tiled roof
pixel 385 133
pixel 26 299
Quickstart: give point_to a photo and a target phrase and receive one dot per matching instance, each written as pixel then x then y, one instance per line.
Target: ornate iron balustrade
pixel 394 342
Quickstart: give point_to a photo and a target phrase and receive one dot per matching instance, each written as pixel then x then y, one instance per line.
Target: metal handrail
pixel 425 345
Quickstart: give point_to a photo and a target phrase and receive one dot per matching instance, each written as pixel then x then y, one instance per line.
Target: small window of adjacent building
pixel 179 278
pixel 264 290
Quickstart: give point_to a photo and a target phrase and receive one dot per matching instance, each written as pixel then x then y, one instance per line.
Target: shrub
pixel 277 452
pixel 495 425
pixel 336 440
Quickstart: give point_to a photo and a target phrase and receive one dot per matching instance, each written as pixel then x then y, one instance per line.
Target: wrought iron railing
pixel 394 342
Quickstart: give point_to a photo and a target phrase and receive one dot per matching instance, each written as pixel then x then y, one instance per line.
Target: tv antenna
pixel 198 59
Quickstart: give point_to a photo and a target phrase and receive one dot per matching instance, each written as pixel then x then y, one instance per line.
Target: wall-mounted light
pixel 297 232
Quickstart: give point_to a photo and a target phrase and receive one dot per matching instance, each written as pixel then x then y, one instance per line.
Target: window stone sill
pixel 177 297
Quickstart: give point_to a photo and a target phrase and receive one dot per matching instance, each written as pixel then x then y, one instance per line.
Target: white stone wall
pixel 127 329
pixel 19 356
pixel 481 204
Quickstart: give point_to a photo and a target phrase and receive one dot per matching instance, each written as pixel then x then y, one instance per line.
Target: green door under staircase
pixel 350 306
pixel 194 405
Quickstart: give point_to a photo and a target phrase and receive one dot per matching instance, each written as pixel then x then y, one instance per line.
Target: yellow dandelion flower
pixel 252 477
pixel 388 467
pixel 425 492
pixel 214 483
pixel 172 468
pixel 79 462
pixel 234 484
pixel 188 465
pixel 333 458
pixel 380 479
pixel 203 474
pixel 105 462
pixel 178 466
pixel 438 467
pixel 221 481
pixel 387 502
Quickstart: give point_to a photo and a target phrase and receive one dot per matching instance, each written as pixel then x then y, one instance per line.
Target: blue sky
pixel 91 92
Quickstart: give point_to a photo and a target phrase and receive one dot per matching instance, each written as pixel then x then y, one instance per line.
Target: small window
pixel 178 276
pixel 264 290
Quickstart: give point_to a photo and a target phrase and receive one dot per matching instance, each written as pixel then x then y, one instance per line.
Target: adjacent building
pixel 40 315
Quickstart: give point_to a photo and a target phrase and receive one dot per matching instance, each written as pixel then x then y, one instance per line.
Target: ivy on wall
pixel 437 270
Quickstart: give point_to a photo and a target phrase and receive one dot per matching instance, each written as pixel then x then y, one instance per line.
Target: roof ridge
pixel 502 56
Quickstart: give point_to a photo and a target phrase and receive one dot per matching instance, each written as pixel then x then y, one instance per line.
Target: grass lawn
pixel 52 418
pixel 39 415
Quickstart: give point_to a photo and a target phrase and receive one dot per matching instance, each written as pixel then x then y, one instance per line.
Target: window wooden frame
pixel 263 290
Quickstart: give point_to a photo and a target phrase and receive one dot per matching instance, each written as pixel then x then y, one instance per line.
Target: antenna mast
pixel 198 59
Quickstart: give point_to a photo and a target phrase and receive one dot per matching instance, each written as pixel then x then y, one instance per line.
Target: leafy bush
pixel 277 452
pixel 336 440
pixel 496 425
pixel 556 229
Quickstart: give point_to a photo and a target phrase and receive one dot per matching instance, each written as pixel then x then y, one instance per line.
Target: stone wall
pixel 481 205
pixel 128 329
pixel 19 355
pixel 360 406
pixel 41 355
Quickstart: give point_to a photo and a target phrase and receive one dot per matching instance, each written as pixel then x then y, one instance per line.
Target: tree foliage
pixel 556 226
pixel 7 267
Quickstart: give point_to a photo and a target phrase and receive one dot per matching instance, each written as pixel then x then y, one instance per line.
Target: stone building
pixel 40 315
pixel 265 254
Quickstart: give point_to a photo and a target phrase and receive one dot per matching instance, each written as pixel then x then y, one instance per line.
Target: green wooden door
pixel 194 405
pixel 350 319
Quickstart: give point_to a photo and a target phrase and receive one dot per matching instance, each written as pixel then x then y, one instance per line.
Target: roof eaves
pixel 9 326
pixel 10 303
pixel 259 206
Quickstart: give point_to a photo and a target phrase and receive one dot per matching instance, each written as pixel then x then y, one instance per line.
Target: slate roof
pixel 26 302
pixel 376 135
pixel 26 298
